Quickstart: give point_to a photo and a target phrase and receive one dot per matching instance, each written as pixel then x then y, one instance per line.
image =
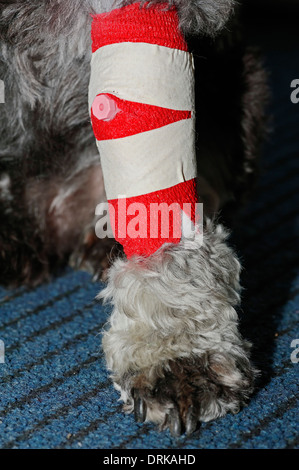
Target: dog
pixel 172 341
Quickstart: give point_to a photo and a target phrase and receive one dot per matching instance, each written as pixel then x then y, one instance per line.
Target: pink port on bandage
pixel 104 108
pixel 142 112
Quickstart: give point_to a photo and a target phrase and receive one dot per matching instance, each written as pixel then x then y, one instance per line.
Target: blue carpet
pixel 55 392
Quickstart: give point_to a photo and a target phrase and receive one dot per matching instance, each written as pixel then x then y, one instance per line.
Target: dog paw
pixel 189 391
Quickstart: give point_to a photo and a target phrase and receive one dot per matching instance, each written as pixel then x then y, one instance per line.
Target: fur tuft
pixel 206 17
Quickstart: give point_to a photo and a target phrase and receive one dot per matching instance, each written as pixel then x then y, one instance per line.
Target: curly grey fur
pixel 32 67
pixel 177 304
pixel 206 17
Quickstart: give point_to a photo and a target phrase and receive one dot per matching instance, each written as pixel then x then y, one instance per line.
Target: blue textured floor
pixel 55 392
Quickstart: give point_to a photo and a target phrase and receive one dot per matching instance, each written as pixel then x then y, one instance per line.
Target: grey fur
pixel 178 304
pixel 200 16
pixel 32 67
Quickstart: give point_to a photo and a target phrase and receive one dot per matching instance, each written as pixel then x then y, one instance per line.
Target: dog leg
pixel 172 344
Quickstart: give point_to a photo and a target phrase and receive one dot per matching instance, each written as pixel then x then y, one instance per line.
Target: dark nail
pixel 191 421
pixel 175 426
pixel 139 410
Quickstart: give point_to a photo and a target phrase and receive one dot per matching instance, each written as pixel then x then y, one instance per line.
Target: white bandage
pixel 155 75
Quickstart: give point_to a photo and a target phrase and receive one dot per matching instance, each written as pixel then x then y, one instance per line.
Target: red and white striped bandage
pixel 141 98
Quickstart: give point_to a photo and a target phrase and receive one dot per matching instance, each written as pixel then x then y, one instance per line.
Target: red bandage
pixel 133 118
pixel 118 120
pixel 133 23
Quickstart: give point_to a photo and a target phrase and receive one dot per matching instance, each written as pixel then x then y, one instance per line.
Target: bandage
pixel 141 99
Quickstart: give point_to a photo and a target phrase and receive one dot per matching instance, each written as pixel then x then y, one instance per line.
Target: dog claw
pixel 139 409
pixel 191 421
pixel 175 426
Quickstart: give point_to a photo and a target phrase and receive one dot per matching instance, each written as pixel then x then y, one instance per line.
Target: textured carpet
pixel 55 392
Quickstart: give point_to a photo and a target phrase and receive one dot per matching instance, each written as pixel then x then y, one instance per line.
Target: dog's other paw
pixel 189 391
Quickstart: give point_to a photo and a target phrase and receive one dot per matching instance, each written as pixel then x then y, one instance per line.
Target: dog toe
pixel 190 391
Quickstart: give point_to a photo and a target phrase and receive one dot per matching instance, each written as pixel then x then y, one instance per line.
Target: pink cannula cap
pixel 104 108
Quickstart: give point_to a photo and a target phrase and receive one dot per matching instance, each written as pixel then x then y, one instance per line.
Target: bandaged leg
pixel 142 110
pixel 173 297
